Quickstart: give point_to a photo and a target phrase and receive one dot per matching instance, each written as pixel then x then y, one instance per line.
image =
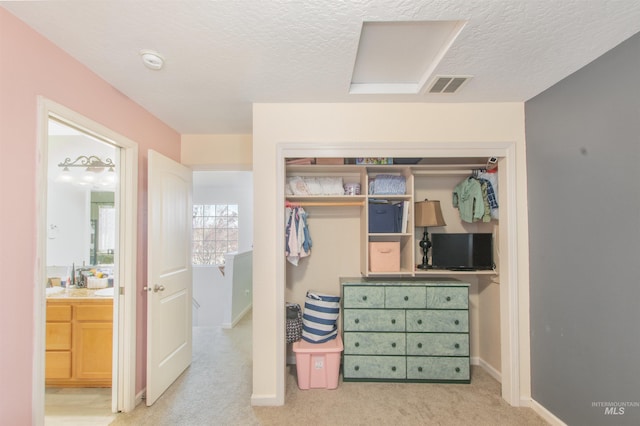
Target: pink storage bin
pixel 384 256
pixel 318 364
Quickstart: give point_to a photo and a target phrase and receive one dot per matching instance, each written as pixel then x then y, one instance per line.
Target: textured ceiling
pixel 222 56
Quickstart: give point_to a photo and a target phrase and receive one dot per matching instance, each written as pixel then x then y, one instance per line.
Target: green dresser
pixel 405 331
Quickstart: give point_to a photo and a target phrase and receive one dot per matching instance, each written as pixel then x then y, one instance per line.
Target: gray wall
pixel 583 160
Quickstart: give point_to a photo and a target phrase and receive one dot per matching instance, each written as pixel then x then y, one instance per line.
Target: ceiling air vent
pixel 447 83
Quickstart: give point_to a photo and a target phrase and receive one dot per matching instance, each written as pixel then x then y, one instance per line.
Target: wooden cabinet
pixel 410 331
pixel 79 341
pixel 58 342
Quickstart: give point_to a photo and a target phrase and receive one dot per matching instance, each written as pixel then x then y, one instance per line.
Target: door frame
pixel 514 326
pixel 124 347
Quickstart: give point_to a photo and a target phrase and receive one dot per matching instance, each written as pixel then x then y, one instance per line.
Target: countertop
pixel 78 293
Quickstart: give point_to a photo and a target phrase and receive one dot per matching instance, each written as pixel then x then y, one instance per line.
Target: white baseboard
pixel 475 360
pixel 266 400
pixel 238 318
pixel 545 414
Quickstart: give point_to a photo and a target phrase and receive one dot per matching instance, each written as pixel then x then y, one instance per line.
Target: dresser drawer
pixel 405 297
pixel 57 365
pixel 57 312
pixel 58 336
pixel 436 368
pixel 447 298
pixel 373 320
pixel 374 367
pixel 438 321
pixel 93 312
pixel 438 344
pixel 374 343
pixel 363 297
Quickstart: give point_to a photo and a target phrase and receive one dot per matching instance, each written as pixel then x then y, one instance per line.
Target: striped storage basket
pixel 319 321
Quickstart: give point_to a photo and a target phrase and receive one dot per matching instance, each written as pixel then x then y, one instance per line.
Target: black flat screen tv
pixel 462 251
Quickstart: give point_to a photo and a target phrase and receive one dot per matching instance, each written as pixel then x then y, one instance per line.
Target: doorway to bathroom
pixel 86 257
pixel 81 274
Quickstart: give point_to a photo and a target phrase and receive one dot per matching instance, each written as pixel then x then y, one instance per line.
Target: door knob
pixel 156 288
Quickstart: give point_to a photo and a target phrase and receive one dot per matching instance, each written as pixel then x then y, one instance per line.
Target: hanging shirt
pixel 468 199
pixel 492 177
pixel 297 237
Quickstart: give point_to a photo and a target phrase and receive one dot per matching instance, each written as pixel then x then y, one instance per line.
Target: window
pixel 215 232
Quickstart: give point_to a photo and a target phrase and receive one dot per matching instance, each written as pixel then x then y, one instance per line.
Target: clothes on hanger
pixel 297 237
pixel 476 197
pixel 467 198
pixel 491 176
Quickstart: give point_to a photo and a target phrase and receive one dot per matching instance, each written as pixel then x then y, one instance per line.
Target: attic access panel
pixel 400 57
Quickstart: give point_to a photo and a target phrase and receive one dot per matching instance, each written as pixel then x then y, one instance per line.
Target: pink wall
pixel 30 66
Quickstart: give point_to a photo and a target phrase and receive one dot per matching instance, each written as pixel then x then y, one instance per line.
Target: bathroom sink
pixel 105 292
pixel 54 290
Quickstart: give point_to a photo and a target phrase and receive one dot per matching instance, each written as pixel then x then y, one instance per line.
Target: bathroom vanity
pixel 79 339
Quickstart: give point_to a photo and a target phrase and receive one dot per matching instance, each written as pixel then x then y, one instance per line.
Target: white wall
pixel 239 280
pixel 326 125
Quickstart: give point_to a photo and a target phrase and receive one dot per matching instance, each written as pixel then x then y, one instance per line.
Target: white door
pixel 169 273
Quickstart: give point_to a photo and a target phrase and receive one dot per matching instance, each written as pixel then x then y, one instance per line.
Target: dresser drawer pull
pixel 419 345
pixel 357 321
pixel 457 369
pixel 364 298
pixel 420 369
pixel 393 345
pixel 448 298
pixel 357 344
pixel 457 346
pixel 393 368
pixel 419 321
pixel 406 298
pixel 456 322
pixel 393 321
pixel 357 367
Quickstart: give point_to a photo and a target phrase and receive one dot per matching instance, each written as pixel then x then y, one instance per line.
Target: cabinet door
pixel 93 350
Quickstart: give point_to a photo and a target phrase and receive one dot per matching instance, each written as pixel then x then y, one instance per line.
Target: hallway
pixel 213 390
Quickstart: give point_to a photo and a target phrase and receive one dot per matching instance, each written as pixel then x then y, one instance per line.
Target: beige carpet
pixel 216 390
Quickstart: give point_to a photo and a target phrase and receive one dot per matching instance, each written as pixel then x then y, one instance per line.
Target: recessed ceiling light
pixel 152 59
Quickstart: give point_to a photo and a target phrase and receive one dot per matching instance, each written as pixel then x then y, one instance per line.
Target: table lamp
pixel 427 213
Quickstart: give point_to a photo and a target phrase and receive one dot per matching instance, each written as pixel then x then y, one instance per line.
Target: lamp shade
pixel 428 213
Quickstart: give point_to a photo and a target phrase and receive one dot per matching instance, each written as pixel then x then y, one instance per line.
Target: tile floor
pixel 78 407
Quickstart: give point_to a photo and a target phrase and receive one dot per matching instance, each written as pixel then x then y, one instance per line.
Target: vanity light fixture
pixel 90 163
pixel 152 59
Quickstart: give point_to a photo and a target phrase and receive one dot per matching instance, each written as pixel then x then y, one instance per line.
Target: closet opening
pixel 340 238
